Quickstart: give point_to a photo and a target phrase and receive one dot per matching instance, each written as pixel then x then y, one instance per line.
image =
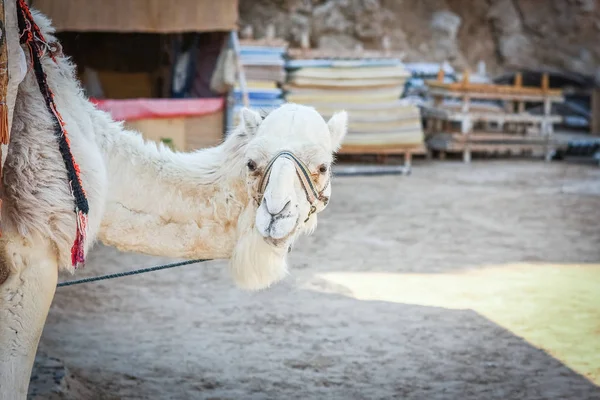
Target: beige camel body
pixel 145 198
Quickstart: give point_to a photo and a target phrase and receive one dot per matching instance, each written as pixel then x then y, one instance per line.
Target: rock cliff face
pixel 560 35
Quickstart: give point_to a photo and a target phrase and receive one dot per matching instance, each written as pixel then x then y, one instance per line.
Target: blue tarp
pixel 259 94
pixel 262 50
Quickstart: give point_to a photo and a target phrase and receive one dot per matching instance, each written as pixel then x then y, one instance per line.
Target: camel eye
pixel 323 168
pixel 251 165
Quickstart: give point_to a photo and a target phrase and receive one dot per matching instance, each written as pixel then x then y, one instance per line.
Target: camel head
pixel 288 158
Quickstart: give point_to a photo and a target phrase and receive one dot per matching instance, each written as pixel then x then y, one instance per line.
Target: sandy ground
pixel 457 282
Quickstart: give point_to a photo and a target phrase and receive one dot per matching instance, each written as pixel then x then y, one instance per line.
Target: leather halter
pixel 313 195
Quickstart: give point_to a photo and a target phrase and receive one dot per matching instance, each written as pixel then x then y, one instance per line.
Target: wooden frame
pixel 523 130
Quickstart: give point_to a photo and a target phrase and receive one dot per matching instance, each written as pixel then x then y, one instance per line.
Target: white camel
pixel 245 200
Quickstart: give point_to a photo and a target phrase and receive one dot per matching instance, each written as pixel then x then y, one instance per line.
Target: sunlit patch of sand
pixel 553 307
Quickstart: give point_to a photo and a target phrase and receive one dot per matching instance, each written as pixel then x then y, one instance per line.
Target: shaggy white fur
pixel 145 198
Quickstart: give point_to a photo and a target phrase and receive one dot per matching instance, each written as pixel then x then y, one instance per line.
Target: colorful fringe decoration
pixel 33 38
pixel 4 128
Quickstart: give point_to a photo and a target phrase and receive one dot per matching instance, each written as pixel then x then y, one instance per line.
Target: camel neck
pixel 173 204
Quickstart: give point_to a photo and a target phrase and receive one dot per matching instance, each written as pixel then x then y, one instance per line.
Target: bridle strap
pixel 313 195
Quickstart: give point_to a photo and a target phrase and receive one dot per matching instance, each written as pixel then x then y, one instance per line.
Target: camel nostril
pixel 283 209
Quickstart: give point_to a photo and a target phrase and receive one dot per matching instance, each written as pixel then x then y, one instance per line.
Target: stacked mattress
pixel 264 70
pixel 369 89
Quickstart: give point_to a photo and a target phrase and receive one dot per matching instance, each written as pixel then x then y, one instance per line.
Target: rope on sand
pixel 128 273
pixel 372 170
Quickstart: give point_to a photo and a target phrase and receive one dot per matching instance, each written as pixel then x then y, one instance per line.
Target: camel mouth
pixel 276 229
pixel 279 241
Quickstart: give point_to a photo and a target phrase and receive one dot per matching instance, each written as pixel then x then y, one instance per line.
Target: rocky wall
pixel 559 35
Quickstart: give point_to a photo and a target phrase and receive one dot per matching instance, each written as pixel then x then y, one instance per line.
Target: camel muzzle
pixel 313 195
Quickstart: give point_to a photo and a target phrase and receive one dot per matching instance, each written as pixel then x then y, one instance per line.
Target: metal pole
pixel 235 41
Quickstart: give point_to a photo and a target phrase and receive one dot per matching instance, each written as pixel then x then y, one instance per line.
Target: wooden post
pixel 465 79
pixel 465 128
pixel 441 73
pixel 518 80
pixel 546 124
pixel 408 160
pixel 545 82
pixel 519 84
pixel 466 124
pixel 595 122
pixel 466 98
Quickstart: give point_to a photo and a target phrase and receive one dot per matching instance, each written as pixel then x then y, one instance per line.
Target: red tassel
pixel 78 249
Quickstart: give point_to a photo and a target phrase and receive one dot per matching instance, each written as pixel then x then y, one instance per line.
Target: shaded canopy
pixel 149 16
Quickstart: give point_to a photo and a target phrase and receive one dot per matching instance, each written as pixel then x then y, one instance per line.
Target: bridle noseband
pixel 313 195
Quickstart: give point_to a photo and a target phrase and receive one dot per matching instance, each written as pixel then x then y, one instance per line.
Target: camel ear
pixel 338 126
pixel 250 120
